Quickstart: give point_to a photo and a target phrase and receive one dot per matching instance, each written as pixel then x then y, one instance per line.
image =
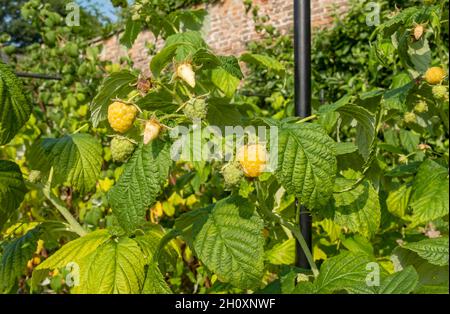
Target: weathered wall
pixel 228 28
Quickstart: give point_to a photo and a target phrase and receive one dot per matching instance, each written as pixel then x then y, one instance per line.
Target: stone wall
pixel 227 27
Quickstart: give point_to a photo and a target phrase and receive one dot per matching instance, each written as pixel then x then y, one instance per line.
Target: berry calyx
pixel 152 130
pixel 196 109
pixel 186 73
pixel 434 75
pixel 253 159
pixel 121 149
pixel 121 116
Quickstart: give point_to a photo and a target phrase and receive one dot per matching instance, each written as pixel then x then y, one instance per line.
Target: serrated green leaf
pixel 117 85
pixel 132 30
pixel 12 189
pixel 282 253
pixel 16 254
pixel 430 196
pixel 117 266
pixel 342 272
pixel 401 282
pixel 306 163
pixel 231 65
pixel 149 244
pixel 230 242
pixel 225 81
pixel 432 278
pixel 358 209
pixel 397 200
pixel 140 184
pixel 14 106
pixel 73 251
pixel 76 160
pixel 435 251
pixel 263 60
pixel 162 59
pixel 154 282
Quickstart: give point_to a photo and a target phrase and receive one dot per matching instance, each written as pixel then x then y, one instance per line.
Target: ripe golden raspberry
pixel 151 131
pixel 434 75
pixel 186 73
pixel 421 106
pixel 121 116
pixel 253 159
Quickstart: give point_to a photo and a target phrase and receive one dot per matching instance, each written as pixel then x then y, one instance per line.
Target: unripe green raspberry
pixel 196 109
pixel 440 92
pixel 421 107
pixel 410 117
pixel 232 174
pixel 34 176
pixel 121 149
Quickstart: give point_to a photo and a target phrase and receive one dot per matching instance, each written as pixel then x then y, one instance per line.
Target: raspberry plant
pixel 374 178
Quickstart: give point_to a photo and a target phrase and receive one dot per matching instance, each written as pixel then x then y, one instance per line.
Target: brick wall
pixel 227 27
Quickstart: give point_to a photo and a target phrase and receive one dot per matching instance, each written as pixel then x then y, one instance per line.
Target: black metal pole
pixel 302 54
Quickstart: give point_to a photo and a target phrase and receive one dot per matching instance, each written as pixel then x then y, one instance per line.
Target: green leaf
pixel 365 127
pixel 397 200
pixel 343 148
pixel 410 140
pixel 420 55
pixel 76 160
pixel 342 272
pixel 154 282
pixel 435 251
pixel 230 242
pixel 225 81
pixel 221 113
pixel 432 278
pixel 132 30
pixel 149 243
pixel 306 163
pixel 358 209
pixel 73 251
pixel 162 59
pixel 263 60
pixel 282 253
pixel 430 196
pixel 14 106
pixel 402 282
pixel 186 44
pixel 117 266
pixel 117 85
pixel 231 65
pixel 12 190
pixel 140 184
pixel 157 100
pixel 14 260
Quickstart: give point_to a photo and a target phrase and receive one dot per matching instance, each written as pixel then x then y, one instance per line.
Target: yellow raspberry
pixel 253 159
pixel 152 130
pixel 418 31
pixel 434 75
pixel 121 116
pixel 186 73
pixel 36 260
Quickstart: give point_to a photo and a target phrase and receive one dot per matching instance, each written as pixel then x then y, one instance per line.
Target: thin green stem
pixel 73 223
pixel 311 117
